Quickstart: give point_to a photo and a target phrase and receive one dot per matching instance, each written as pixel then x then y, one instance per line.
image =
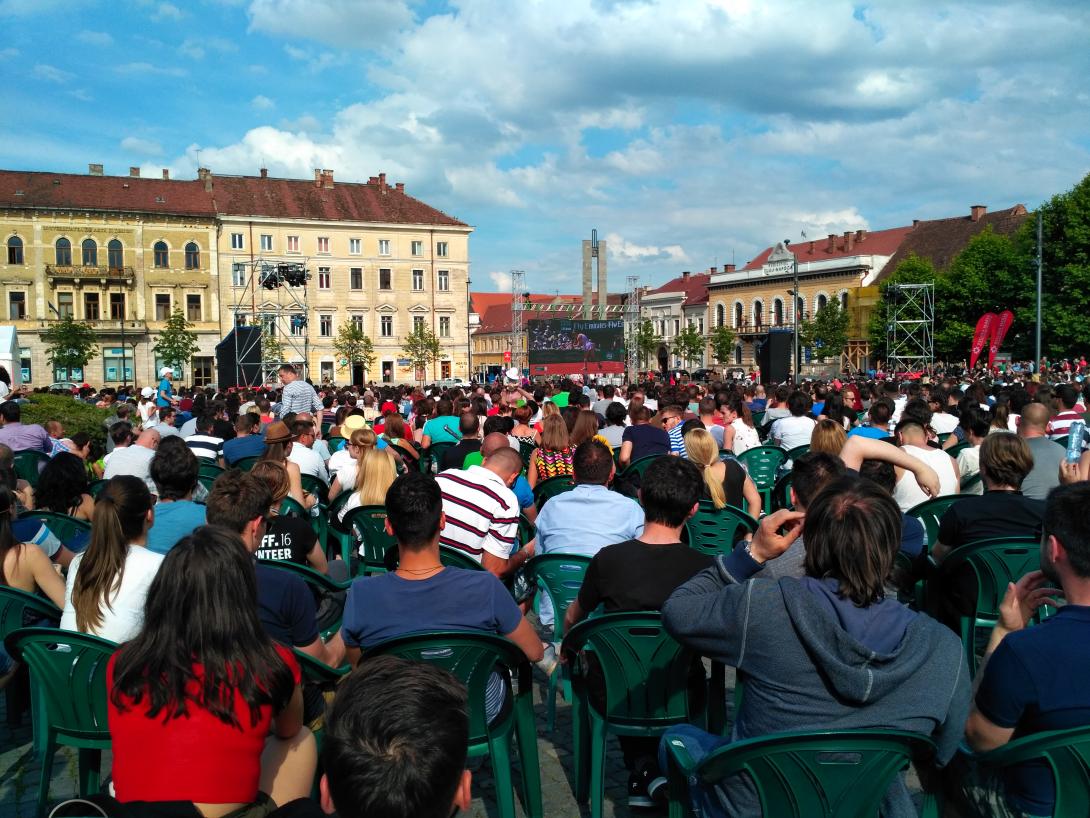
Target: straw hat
pixel 351 424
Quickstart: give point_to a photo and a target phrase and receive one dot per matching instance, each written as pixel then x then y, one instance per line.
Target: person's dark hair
pixel 592 463
pixel 798 403
pixel 62 484
pixel 395 740
pixel 202 610
pixel 444 407
pixel 7 539
pixel 496 423
pixel 174 469
pixel 852 533
pixel 670 488
pixel 639 414
pixel 121 511
pixel 10 412
pixel 288 369
pixel 166 413
pixel 1005 459
pixel 616 414
pixel 974 420
pixel 4 376
pixel 414 504
pixel 121 433
pixel 1067 518
pixel 879 472
pixel 1068 395
pixel 205 422
pixel 301 427
pixel 237 498
pixel 80 439
pixel 880 412
pixel 917 409
pixel 812 472
pixel 246 423
pixel 468 425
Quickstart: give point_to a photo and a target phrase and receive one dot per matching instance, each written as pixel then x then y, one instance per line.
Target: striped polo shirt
pixel 482 513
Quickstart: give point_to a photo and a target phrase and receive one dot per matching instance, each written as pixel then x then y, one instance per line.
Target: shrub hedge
pixel 74 416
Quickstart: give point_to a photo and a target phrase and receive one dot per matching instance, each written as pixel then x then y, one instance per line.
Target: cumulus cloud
pixel 262 103
pixel 166 11
pixel 147 69
pixel 51 73
pixel 501 281
pixel 618 247
pixel 99 39
pixel 343 23
pixel 8 53
pixel 144 147
pixel 198 47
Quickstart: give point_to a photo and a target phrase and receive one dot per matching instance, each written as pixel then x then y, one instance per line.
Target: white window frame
pixel 384 247
pixel 418 248
pixel 442 281
pixel 293 244
pixel 266 242
pixel 238 241
pixel 386 326
pixel 442 249
pixel 418 280
pixel 444 326
pixel 325 278
pixel 355 274
pixel 355 247
pixel 325 325
pixel 323 245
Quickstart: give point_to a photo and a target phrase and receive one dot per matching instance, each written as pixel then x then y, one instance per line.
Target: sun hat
pixel 277 432
pixel 166 370
pixel 351 424
pixel 147 392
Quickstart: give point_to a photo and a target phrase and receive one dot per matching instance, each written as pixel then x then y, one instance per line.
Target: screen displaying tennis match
pixel 568 347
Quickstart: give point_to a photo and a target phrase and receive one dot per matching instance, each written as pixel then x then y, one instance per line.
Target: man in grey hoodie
pixel 826 651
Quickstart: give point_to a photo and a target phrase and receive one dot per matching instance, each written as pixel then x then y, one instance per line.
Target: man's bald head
pixel 1034 419
pixel 505 463
pixel 149 439
pixel 493 442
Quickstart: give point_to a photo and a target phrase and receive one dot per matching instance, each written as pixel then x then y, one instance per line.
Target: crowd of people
pixel 182 572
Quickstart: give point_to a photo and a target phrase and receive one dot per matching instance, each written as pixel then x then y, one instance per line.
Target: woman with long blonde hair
pixel 554 456
pixel 725 481
pixel 829 437
pixel 377 470
pixel 359 443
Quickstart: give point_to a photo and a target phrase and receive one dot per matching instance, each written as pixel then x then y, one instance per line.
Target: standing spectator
pixel 297 395
pixel 174 470
pixel 18 437
pixel 146 408
pixel 165 394
pixel 1047 454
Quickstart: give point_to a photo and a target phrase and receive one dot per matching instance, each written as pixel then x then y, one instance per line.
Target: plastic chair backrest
pixel 434 455
pixel 453 558
pixel 842 774
pixel 758 419
pixel 69 669
pixel 930 512
pixel 1063 440
pixel 715 530
pixel 339 502
pixel 315 485
pixel 318 672
pixel 368 526
pixel 561 577
pixel 645 671
pixel 551 487
pixel 246 463
pixel 207 467
pixel 525 450
pixel 762 463
pixel 336 444
pixel 64 527
pixel 957 448
pixel 16 607
pixel 781 492
pixel 526 531
pixel 97 486
pixel 29 464
pixel 972 481
pixel 312 578
pixel 1067 752
pixel 640 466
pixel 291 507
pixel 798 451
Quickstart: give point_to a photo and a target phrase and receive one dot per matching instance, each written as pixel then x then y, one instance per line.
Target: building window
pixel 444 326
pixel 323 244
pixel 355 278
pixel 354 247
pixel 64 305
pixel 325 281
pixel 90 307
pixel 162 306
pixel 238 241
pixel 800 306
pixel 298 323
pixel 384 247
pixel 293 244
pixel 202 370
pixel 777 312
pixel 822 301
pixel 443 280
pixel 193 306
pixel 26 364
pixel 737 315
pixel 385 280
pixel 700 325
pixel 161 254
pixel 266 241
pixel 357 322
pixel 758 314
pixel 192 256
pixel 418 323
pixel 113 359
pixel 327 371
pixel 418 279
pixel 64 253
pixel 418 248
pixel 15 250
pixel 16 306
pixel 90 253
pixel 325 325
pixel 238 274
pixel 441 249
pixel 117 306
pixel 738 356
pixel 386 323
pixel 115 255
pixel 677 327
pixel 720 315
pixel 844 301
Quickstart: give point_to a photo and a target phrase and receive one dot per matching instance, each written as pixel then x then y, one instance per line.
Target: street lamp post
pixel 796 367
pixel 469 339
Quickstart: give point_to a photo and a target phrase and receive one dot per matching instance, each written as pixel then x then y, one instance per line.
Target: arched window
pixel 844 300
pixel 738 355
pixel 192 256
pixel 162 254
pixel 758 314
pixel 90 253
pixel 737 314
pixel 822 301
pixel 720 315
pixel 115 254
pixel 800 306
pixel 64 253
pixel 777 312
pixel 15 250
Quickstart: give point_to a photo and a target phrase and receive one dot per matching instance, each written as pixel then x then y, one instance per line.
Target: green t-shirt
pixel 560 399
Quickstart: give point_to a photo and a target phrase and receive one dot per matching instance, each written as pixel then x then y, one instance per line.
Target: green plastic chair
pixel 957 449
pixel 762 463
pixel 29 464
pixel 993 563
pixel 315 485
pixel 758 419
pixel 640 466
pixel 18 609
pixel 453 558
pixel 367 530
pixel 317 582
pixel 781 493
pixel 797 452
pixel 525 451
pixel 560 576
pixel 1063 440
pixel 835 774
pixel 1066 752
pixel 472 657
pixel 715 530
pixel 70 670
pixel 97 486
pixel 291 507
pixel 207 468
pixel 930 512
pixel 64 527
pixel 246 463
pixel 432 457
pixel 646 676
pixel 971 482
pixel 335 444
pixel 526 531
pixel 547 489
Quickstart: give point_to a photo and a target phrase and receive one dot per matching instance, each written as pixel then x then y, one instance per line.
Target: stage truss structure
pixel 910 330
pixel 518 327
pixel 632 325
pixel 272 294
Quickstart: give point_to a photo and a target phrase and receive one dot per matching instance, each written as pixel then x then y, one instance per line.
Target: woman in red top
pixel 204 708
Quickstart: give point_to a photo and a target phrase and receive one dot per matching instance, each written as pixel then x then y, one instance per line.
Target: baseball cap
pixel 147 392
pixel 166 370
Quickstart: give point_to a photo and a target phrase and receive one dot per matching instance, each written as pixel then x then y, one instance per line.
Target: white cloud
pixel 8 53
pixel 343 23
pixel 27 8
pixel 262 103
pixel 147 69
pixel 145 147
pixel 167 11
pixel 51 73
pixel 617 246
pixel 81 94
pixel 501 282
pixel 197 47
pixel 99 39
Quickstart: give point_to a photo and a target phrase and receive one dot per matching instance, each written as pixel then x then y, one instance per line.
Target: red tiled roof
pixel 863 243
pixel 695 287
pixel 374 201
pixel 133 194
pixel 941 239
pixel 496 312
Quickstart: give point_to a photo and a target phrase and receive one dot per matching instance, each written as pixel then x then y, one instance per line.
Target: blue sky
pixel 688 133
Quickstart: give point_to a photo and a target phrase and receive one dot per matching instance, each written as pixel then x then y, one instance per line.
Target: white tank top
pixel 745 437
pixel 907 492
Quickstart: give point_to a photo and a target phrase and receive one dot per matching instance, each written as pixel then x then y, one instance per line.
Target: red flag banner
pixel 1006 318
pixel 980 337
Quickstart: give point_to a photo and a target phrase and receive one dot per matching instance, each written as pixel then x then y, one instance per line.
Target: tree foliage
pixel 421 347
pixel 355 347
pixel 689 344
pixel 272 351
pixel 647 340
pixel 827 331
pixel 177 343
pixel 722 341
pixel 69 343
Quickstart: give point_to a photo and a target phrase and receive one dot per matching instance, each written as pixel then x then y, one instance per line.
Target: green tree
pixel 272 351
pixel 827 331
pixel 177 343
pixel 913 270
pixel 421 347
pixel 354 347
pixel 70 344
pixel 689 344
pixel 722 341
pixel 647 340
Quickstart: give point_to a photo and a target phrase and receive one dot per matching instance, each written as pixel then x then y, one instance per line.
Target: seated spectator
pixel 642 439
pixel 397 435
pixel 225 698
pixel 941 421
pixel 1047 454
pixel 616 414
pixel 913 534
pixel 877 424
pixel 63 488
pixel 639 575
pixel 302 454
pixel 204 442
pixel 495 439
pixel 376 470
pixel 974 425
pixel 443 428
pixel 469 428
pixel 174 470
pixel 1027 681
pixel 706 411
pixel 135 459
pixel 725 481
pixel 108 583
pixel 423 595
pixel 740 435
pixel 913 438
pixel 828 437
pixel 278 445
pixel 1067 397
pixel 287 537
pixel 120 435
pixel 165 427
pixel 18 437
pixel 553 458
pixel 796 429
pixel 56 436
pixel 249 440
pixel 827 651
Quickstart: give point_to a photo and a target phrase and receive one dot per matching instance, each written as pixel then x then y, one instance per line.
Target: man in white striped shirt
pixel 297 395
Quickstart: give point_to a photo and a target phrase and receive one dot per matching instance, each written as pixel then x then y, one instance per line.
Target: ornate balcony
pixel 80 273
pixel 106 326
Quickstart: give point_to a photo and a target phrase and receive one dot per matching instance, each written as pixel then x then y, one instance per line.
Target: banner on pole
pixel 983 330
pixel 1006 318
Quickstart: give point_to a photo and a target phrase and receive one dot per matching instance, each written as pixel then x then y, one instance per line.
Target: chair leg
pixel 580 746
pixel 47 771
pixel 90 764
pixel 550 701
pixel 526 733
pixel 499 751
pixel 597 767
